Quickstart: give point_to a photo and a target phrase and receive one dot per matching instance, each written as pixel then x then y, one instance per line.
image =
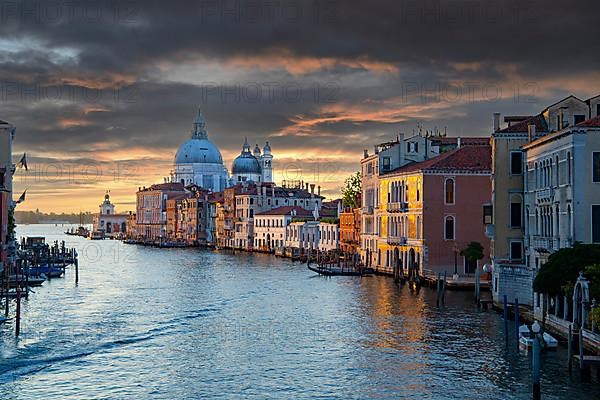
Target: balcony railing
pixel 368 210
pixel 544 195
pixel 397 207
pixel 545 243
pixel 397 240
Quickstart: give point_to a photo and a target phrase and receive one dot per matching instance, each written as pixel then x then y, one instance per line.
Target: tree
pixel 473 252
pixel 559 274
pixel 351 190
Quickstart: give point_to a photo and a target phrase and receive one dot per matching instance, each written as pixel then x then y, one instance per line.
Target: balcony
pixel 544 195
pixel 397 240
pixel 544 244
pixel 397 207
pixel 367 210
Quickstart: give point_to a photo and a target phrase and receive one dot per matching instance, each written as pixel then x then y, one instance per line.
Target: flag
pixel 22 198
pixel 23 162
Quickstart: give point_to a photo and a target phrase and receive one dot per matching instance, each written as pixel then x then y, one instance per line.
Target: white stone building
pixel 270 227
pixel 562 191
pixel 312 235
pixel 108 221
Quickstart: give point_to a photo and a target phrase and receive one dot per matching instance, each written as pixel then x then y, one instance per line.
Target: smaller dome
pixel 246 163
pixel 256 150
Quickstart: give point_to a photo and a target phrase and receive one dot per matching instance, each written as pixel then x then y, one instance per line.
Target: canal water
pixel 148 323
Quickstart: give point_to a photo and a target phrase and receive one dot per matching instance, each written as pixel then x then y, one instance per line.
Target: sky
pixel 103 93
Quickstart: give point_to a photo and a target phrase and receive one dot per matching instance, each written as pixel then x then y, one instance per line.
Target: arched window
pixel 449 189
pixel 449 228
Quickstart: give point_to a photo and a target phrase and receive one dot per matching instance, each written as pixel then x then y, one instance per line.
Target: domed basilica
pixel 198 161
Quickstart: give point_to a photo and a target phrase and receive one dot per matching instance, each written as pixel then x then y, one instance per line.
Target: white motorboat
pixel 526 338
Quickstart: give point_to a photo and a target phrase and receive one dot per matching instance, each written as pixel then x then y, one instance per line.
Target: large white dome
pixel 198 151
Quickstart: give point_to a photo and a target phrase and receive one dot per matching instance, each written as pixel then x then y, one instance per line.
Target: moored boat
pixel 526 338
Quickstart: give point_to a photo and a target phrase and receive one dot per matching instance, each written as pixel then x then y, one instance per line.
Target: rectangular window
pixel 596 166
pixel 516 163
pixel 579 118
pixel 488 211
pixel 516 250
pixel 597 109
pixel 596 223
pixel 515 215
pixel 386 163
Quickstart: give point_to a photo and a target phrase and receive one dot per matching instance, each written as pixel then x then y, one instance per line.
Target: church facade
pixel 253 166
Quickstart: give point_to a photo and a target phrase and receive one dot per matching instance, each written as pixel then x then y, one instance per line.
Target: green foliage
pixel 330 220
pixel 351 190
pixel 595 316
pixel 592 273
pixel 560 273
pixel 473 252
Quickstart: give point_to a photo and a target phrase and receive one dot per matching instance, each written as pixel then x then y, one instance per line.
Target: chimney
pixel 319 190
pixel 307 186
pixel 312 188
pixel 531 132
pixel 376 150
pixel 458 142
pixel 365 153
pixel 496 121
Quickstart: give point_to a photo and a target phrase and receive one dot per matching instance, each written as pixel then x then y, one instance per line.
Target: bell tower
pixel 267 164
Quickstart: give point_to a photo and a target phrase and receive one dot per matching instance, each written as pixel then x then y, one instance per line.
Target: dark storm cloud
pixel 417 45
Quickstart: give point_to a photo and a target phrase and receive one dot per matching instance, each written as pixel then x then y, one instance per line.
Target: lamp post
pixel 535 328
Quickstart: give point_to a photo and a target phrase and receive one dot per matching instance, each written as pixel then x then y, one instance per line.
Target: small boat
pixel 96 235
pixel 526 338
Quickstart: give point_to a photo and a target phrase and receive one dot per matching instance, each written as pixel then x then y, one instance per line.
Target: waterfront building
pixel 151 209
pixel 173 218
pixel 427 213
pixel 509 217
pixel 390 156
pixel 270 227
pixel 253 166
pixel 259 197
pixel 350 230
pixel 227 239
pixel 562 192
pixel 193 217
pixel 109 222
pixel 309 235
pixel 198 161
pixel 132 232
pixel 215 207
pixel 7 168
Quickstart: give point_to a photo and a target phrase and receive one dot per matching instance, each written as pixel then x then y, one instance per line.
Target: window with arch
pixel 449 233
pixel 449 191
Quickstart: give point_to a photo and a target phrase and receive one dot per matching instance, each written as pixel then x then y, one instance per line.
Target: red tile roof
pixel 467 158
pixel 590 123
pixel 522 127
pixel 286 210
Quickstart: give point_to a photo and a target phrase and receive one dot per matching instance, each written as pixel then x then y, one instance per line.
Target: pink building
pixel 431 210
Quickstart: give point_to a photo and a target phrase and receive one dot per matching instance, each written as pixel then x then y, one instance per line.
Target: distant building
pixel 108 221
pixel 151 210
pixel 350 230
pixel 270 227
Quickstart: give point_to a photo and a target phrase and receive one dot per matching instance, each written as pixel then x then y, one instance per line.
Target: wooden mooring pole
pixel 570 348
pixel 76 270
pixel 517 320
pixel 18 317
pixel 506 318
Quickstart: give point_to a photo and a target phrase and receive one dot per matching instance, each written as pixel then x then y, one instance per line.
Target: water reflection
pixel 181 324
